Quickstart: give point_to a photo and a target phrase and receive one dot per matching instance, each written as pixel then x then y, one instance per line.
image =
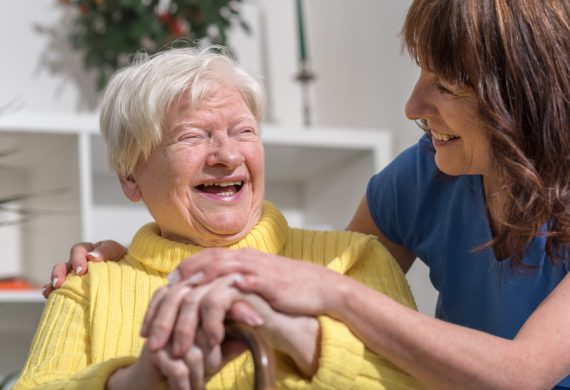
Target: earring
pixel 422 124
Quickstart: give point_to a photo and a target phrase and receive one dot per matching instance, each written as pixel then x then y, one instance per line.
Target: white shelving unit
pixel 34 296
pixel 315 175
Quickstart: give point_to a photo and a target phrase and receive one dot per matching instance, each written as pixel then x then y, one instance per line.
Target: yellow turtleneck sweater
pixel 90 326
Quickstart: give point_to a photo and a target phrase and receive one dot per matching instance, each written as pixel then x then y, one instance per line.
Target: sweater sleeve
pixel 345 363
pixel 59 356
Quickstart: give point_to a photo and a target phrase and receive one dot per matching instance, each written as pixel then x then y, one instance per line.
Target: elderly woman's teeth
pixel 223 188
pixel 442 136
pixel 225 184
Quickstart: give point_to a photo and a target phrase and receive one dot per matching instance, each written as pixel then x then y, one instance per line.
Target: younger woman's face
pixel 450 111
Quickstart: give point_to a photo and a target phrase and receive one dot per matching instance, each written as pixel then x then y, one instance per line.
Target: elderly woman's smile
pixel 204 182
pixel 221 189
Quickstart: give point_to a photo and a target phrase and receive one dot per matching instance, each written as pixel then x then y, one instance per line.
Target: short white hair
pixel 137 97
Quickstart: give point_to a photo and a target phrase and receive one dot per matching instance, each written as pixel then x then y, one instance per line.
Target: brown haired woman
pixel 483 199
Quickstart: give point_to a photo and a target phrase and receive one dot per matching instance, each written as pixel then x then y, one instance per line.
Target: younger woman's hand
pixel 277 279
pixel 79 255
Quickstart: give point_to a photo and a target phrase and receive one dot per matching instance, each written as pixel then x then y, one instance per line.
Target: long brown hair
pixel 515 54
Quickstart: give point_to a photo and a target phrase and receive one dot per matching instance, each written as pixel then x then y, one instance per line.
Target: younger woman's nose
pixel 420 103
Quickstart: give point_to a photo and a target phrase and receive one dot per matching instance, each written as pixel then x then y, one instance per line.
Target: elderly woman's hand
pixel 279 280
pixel 183 317
pixel 296 336
pixel 173 313
pixel 160 369
pixel 79 255
pixel 159 364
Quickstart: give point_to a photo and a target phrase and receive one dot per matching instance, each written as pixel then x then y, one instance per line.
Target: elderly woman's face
pixel 204 183
pixel 462 145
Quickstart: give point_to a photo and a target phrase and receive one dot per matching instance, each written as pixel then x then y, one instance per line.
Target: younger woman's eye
pixel 442 88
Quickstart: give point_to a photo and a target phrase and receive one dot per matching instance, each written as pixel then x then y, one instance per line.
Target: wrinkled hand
pixel 190 366
pixel 180 314
pixel 160 369
pixel 296 336
pixel 79 255
pixel 175 312
pixel 291 286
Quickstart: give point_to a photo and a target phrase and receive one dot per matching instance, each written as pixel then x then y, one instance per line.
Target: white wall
pixel 38 70
pixel 363 80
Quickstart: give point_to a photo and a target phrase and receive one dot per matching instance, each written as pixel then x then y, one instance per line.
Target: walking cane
pixel 263 358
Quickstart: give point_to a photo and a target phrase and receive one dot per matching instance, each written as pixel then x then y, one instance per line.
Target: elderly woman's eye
pixel 246 132
pixel 194 136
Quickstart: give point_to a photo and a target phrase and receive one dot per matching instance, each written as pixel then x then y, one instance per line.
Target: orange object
pixel 16 284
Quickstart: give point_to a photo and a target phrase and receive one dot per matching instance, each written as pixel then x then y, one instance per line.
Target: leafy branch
pixel 109 32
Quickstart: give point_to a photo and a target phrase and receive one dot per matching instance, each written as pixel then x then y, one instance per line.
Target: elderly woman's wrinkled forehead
pixel 194 98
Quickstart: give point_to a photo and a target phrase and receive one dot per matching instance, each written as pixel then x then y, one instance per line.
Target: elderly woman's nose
pixel 226 152
pixel 420 103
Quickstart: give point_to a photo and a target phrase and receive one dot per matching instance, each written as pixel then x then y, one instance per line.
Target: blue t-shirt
pixel 442 220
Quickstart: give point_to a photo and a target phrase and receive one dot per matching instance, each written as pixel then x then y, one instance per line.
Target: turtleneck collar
pixel 155 252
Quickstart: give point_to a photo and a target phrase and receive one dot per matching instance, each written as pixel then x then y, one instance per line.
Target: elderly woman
pixel 183 136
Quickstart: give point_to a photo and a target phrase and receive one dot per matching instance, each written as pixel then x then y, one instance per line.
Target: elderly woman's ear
pixel 130 188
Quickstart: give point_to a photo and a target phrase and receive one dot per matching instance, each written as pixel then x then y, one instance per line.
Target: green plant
pixel 109 32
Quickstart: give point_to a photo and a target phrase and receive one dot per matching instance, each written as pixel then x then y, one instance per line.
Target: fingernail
pixel 53 282
pixel 78 270
pixel 173 277
pixel 95 254
pixel 196 278
pixel 254 320
pixel 238 278
pixel 44 290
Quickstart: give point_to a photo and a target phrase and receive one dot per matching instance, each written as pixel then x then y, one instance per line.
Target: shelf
pixel 49 122
pixel 292 154
pixel 34 296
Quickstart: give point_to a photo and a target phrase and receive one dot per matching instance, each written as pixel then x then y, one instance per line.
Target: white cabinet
pixel 316 176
